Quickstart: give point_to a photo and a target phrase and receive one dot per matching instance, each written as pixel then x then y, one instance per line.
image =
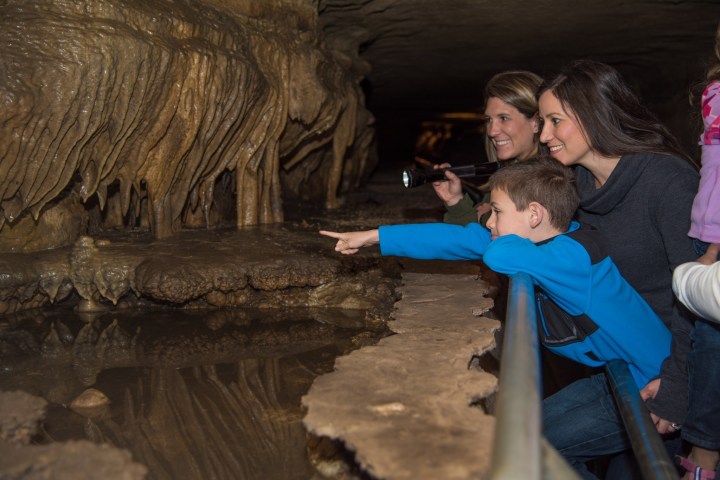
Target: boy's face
pixel 505 217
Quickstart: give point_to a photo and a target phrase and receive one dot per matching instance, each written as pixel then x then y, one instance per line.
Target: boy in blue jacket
pixel 586 310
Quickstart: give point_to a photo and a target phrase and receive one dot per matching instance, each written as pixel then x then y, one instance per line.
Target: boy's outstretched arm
pixel 350 242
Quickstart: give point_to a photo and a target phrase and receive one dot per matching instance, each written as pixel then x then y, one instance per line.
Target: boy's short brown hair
pixel 542 180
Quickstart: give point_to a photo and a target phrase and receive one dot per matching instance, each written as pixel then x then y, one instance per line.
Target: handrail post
pixel 652 457
pixel 516 449
pixel 517 445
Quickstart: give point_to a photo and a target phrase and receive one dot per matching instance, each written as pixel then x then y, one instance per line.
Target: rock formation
pixel 417 404
pixel 152 113
pixel 20 418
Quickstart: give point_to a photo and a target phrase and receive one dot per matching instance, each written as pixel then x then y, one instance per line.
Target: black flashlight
pixel 414 178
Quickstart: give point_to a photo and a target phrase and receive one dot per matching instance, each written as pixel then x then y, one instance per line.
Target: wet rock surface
pixel 418 404
pixel 21 415
pixel 81 460
pixel 280 265
pixel 186 394
pixel 69 349
pixel 277 266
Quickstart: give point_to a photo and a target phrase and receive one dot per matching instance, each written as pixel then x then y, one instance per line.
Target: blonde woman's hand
pixel 450 190
pixel 350 242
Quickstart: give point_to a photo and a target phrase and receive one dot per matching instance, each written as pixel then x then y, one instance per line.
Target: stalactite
pixel 160 99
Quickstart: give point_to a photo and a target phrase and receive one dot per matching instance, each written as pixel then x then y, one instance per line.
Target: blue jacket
pixel 586 310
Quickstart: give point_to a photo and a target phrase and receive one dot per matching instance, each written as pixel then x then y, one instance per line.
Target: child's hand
pixel 711 255
pixel 350 242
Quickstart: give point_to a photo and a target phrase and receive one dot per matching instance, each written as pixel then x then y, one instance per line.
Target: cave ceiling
pixel 436 55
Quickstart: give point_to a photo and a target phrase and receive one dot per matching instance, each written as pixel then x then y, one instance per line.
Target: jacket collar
pixel 604 199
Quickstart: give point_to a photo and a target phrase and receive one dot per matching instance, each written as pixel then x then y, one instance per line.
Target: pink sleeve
pixel 705 213
pixel 711 114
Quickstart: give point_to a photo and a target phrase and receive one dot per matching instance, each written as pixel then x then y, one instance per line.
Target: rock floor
pixel 415 405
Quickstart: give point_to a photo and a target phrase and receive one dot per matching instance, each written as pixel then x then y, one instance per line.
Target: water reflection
pixel 192 394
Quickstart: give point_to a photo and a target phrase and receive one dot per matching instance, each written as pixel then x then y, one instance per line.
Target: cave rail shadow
pixel 519 450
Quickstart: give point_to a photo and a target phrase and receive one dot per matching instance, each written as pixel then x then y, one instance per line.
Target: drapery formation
pixel 144 109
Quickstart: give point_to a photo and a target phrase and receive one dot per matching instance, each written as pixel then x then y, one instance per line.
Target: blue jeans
pixel 702 425
pixel 700 247
pixel 626 467
pixel 582 422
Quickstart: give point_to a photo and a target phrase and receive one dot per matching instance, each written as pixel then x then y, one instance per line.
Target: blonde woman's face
pixel 512 133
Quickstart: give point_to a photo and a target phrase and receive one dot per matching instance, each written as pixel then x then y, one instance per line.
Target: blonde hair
pixel 517 88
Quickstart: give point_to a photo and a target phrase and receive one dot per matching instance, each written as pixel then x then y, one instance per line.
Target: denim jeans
pixel 700 247
pixel 702 425
pixel 624 466
pixel 582 422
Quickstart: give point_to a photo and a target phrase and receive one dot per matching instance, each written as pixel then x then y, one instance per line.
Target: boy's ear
pixel 536 214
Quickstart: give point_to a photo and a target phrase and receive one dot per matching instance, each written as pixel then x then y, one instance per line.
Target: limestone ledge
pixel 410 406
pixel 256 267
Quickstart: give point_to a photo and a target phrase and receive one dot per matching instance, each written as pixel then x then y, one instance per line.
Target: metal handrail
pixel 651 455
pixel 516 449
pixel 519 451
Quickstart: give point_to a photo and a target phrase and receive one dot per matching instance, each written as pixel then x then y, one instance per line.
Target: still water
pixel 192 394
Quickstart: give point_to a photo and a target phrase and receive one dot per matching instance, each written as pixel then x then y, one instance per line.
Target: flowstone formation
pixel 269 267
pixel 165 114
pixel 417 404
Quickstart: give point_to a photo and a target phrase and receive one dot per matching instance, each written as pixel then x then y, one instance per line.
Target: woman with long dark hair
pixel 637 187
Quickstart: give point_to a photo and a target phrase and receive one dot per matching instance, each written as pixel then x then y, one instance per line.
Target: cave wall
pixel 160 114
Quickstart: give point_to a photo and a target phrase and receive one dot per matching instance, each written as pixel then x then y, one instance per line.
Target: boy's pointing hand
pixel 350 242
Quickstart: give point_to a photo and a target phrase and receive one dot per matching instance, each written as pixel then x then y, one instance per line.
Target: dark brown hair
pixel 542 180
pixel 612 118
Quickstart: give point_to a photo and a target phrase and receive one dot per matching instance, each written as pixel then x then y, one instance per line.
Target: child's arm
pixel 561 265
pixel 423 241
pixel 705 216
pixel 580 279
pixel 697 285
pixel 350 242
pixel 435 241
